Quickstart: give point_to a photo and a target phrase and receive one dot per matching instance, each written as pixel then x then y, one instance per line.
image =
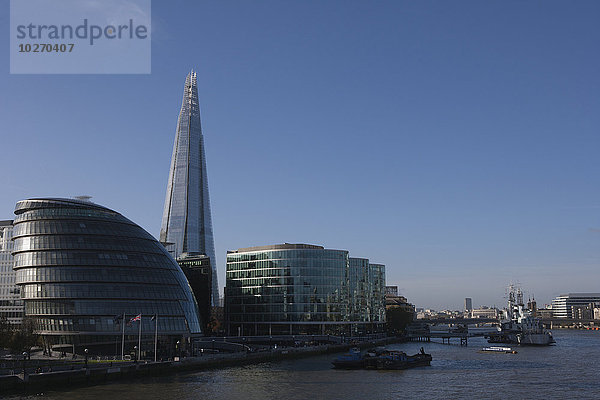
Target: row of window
pixel 11 314
pixel 75 227
pixel 11 303
pixel 246 315
pixel 304 280
pixel 105 307
pixel 285 308
pixel 43 258
pixel 283 290
pixel 284 269
pixel 289 254
pixel 59 242
pixel 287 263
pixel 300 317
pixel 109 325
pixel 114 291
pixel 73 274
pixel 67 213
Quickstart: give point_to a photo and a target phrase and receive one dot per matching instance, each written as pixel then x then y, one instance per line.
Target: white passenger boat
pixel 497 349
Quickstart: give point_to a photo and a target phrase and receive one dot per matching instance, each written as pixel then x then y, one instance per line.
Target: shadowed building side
pixel 82 266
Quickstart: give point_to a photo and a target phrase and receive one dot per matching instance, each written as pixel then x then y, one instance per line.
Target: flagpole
pixel 123 338
pixel 155 334
pixel 140 340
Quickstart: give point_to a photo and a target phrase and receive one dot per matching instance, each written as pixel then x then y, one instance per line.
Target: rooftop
pixel 284 246
pixel 57 202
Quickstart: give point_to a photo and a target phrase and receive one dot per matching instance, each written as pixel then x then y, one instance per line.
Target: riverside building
pixel 82 266
pixel 198 271
pixel 186 224
pixel 11 305
pixel 302 289
pixel 562 306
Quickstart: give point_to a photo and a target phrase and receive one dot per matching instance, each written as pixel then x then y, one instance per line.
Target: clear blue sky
pixel 456 142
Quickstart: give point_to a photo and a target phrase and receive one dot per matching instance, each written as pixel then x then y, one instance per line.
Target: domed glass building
pixel 81 267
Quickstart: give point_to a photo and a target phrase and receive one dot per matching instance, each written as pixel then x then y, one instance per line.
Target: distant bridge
pixel 457 321
pixel 420 330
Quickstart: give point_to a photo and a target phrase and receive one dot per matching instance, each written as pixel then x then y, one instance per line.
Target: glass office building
pixel 302 289
pixel 186 223
pixel 366 283
pixel 11 305
pixel 82 266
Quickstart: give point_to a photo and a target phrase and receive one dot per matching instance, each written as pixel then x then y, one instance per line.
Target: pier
pixel 458 328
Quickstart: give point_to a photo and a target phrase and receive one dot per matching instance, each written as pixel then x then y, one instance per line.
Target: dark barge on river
pixel 381 359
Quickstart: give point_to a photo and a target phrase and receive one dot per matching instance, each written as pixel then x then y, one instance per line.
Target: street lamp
pixel 135 354
pixel 86 357
pixel 177 348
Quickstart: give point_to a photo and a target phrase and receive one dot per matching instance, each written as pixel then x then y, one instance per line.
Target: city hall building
pixel 302 289
pixel 81 267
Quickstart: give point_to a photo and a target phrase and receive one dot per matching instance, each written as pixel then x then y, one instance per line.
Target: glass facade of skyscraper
pixel 80 266
pixel 300 288
pixel 186 223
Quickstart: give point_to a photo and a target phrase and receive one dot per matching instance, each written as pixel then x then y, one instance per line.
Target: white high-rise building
pixel 562 306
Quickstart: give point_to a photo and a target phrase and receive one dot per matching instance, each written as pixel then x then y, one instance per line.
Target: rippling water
pixel 568 370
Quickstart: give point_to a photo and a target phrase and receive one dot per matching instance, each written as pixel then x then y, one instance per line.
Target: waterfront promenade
pixel 44 374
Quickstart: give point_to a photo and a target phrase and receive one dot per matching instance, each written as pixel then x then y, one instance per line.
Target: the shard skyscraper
pixel 186 222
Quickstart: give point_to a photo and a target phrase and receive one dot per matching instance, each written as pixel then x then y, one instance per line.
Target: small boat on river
pixel 351 360
pixel 497 349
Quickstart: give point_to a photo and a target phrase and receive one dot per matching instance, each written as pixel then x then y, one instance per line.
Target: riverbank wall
pixel 95 374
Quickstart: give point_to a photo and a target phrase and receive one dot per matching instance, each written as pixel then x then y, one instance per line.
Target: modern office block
pixel 186 223
pixel 302 289
pixel 562 306
pixel 11 305
pixel 367 290
pixel 81 266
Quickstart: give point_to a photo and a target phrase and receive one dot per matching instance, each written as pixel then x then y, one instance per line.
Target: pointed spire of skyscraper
pixel 186 221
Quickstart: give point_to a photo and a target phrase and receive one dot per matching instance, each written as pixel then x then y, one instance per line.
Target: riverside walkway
pixel 97 372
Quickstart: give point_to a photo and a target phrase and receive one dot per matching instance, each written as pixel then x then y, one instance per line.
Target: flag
pixel 136 318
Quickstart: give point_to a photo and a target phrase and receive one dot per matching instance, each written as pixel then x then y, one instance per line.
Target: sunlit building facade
pixel 186 223
pixel 366 284
pixel 82 266
pixel 302 289
pixel 562 306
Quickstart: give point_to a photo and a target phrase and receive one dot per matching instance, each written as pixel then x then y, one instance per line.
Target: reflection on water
pixel 566 370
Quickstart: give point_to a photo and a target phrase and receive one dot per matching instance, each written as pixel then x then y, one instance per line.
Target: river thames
pixel 567 370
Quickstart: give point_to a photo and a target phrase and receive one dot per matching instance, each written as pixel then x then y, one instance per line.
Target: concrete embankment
pixel 95 375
